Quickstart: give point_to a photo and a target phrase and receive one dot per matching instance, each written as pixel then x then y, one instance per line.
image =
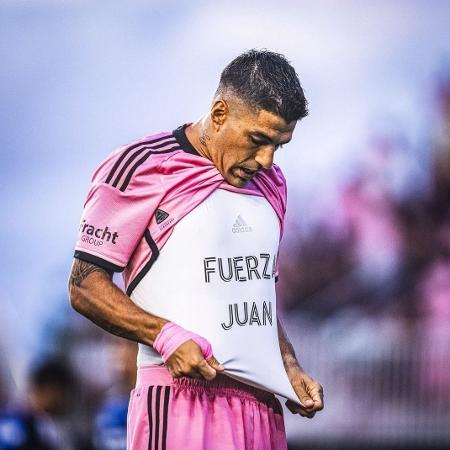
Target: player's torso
pixel 215 276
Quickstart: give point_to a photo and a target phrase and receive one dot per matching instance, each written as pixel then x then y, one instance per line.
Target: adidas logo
pixel 160 216
pixel 240 226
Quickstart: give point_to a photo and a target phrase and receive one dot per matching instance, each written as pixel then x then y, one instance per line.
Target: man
pixel 194 218
pixel 40 423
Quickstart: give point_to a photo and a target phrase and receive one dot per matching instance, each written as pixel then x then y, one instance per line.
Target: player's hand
pixel 188 360
pixel 310 393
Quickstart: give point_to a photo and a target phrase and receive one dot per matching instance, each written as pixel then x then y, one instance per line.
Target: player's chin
pixel 241 183
pixel 237 181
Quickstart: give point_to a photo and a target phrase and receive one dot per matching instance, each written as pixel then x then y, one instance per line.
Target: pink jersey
pixel 141 191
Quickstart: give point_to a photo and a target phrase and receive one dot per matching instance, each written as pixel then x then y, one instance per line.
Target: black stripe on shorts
pixel 154 418
pixel 165 413
pixel 150 416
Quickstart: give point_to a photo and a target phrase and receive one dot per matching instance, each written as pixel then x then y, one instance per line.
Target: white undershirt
pixel 188 285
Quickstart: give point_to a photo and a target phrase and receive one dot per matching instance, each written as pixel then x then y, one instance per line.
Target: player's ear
pixel 219 113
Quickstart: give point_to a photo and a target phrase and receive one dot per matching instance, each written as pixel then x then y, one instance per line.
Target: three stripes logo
pixel 158 408
pixel 240 225
pixel 135 155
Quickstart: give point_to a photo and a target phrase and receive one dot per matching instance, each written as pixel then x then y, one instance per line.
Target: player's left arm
pixel 309 391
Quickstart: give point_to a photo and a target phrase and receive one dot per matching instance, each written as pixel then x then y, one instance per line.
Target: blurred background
pixel 364 287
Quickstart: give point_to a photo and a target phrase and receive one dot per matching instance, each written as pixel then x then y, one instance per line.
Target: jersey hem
pixel 97 261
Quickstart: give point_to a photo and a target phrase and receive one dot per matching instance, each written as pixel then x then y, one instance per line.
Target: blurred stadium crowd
pixel 365 295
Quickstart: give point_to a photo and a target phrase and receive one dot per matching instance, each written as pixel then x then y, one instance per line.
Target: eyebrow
pixel 264 136
pixel 261 135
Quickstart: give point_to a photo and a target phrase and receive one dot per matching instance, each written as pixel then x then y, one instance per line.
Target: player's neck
pixel 198 136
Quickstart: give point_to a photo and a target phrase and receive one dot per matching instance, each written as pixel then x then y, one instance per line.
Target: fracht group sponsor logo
pixel 97 236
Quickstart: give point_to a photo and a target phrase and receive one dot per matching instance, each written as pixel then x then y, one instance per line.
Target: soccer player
pixel 194 217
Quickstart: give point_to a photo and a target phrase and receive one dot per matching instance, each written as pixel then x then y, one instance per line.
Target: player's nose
pixel 264 156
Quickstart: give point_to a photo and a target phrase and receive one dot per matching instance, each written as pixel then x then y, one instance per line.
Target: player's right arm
pixel 126 189
pixel 94 295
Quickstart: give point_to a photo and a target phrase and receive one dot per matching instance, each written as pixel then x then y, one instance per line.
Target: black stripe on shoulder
pixel 128 150
pixel 155 253
pixel 171 140
pixel 87 257
pixel 140 161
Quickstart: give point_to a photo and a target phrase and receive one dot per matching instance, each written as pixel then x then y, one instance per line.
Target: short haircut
pixel 265 80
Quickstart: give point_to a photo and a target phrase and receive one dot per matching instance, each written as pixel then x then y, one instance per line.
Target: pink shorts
pixel 167 413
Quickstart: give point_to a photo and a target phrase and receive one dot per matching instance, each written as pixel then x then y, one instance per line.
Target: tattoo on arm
pixel 82 269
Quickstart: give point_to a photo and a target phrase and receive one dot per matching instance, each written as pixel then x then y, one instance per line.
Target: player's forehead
pixel 268 125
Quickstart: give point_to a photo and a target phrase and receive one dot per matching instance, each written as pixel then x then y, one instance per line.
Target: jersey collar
pixel 180 136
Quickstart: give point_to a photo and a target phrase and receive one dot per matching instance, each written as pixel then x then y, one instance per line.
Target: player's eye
pixel 256 142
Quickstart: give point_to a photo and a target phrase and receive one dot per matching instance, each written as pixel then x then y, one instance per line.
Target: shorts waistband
pixel 160 376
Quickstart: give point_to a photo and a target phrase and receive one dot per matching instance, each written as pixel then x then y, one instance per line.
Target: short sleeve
pixel 116 214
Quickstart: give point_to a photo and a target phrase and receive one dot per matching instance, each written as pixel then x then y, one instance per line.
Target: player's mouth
pixel 244 172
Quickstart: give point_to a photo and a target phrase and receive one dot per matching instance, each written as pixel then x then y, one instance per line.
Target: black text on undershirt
pixel 240 314
pixel 240 268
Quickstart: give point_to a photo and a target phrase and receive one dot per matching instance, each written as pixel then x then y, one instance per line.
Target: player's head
pixel 51 383
pixel 254 112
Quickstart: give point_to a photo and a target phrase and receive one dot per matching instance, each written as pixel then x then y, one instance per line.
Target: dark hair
pixel 265 80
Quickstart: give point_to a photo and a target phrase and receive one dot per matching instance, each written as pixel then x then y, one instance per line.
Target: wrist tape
pixel 172 336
